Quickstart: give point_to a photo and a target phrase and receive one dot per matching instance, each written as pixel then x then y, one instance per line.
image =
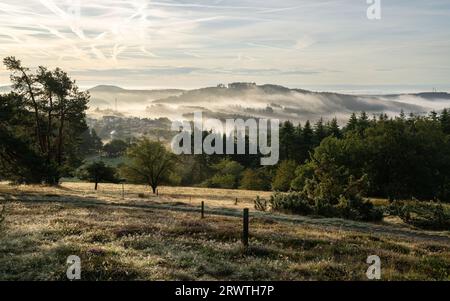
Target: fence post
pixel 236 201
pixel 123 191
pixel 245 228
pixel 203 209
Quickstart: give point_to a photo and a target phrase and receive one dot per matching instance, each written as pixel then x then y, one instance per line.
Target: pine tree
pixel 433 115
pixel 352 123
pixel 55 120
pixel 333 128
pixel 308 141
pixel 444 119
pixel 287 140
pixel 320 132
pixel 298 143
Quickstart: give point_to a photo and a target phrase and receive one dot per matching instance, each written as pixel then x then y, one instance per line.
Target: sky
pixel 197 43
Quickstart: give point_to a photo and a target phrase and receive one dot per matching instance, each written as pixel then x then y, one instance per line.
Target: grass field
pixel 145 237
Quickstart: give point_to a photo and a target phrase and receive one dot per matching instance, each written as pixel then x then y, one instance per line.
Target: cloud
pixel 276 41
pixel 168 70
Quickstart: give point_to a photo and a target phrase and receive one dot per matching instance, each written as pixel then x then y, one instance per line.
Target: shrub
pixel 115 148
pixel 255 180
pixel 293 202
pixel 284 176
pixel 359 209
pixel 324 208
pixel 429 216
pixel 297 203
pixel 227 175
pixel 98 172
pixel 302 174
pixel 260 204
pixel 329 191
pixel 227 181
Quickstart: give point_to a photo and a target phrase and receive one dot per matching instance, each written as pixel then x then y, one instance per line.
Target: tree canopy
pixel 99 172
pixel 42 120
pixel 148 162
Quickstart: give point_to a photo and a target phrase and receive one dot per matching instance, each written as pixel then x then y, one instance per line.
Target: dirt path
pixel 323 223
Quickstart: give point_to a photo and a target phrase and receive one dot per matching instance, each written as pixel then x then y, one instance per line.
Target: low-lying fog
pixel 248 100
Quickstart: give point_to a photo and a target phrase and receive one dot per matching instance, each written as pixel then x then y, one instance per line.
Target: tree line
pixel 44 137
pixel 400 157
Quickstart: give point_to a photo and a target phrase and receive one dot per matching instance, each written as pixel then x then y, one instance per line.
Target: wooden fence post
pixel 203 209
pixel 245 228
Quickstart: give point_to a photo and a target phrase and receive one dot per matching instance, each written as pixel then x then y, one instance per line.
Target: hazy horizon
pixel 344 89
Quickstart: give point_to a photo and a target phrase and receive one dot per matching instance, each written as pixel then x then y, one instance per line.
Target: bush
pixel 359 209
pixel 260 204
pixel 227 175
pixel 255 180
pixel 297 203
pixel 429 216
pixel 98 172
pixel 284 176
pixel 293 202
pixel 227 181
pixel 115 148
pixel 324 208
pixel 328 190
pixel 302 174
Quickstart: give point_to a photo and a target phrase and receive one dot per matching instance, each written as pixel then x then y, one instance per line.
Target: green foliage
pixel 358 209
pixel 332 177
pixel 327 187
pixel 90 143
pixel 298 203
pixel 287 141
pixel 115 148
pixel 397 158
pixel 227 175
pixel 41 124
pixel 98 172
pixel 302 174
pixel 148 162
pixel 193 170
pixel 18 161
pixel 320 132
pixel 401 157
pixel 429 216
pixel 258 179
pixel 293 202
pixel 226 181
pixel 407 158
pixel 285 174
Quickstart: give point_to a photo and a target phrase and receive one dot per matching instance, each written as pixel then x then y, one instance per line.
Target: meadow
pixel 139 236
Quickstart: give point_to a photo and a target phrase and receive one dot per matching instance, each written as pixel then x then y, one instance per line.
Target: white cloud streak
pixel 230 34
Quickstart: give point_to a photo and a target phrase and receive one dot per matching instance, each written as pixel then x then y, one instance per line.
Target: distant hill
pixel 272 101
pixel 260 101
pixel 424 95
pixel 5 89
pixel 106 88
pixel 104 97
